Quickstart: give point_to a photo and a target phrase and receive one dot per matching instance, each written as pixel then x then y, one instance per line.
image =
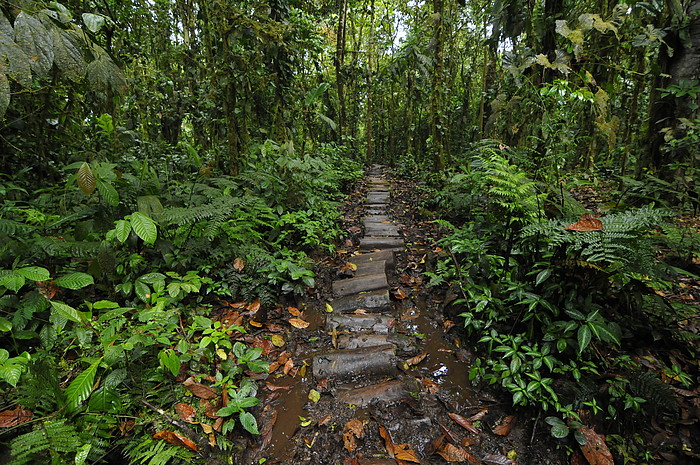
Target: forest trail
pixel 385 381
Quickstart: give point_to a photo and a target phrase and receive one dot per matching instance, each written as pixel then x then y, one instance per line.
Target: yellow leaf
pixel 221 353
pixel 305 421
pixel 277 340
pixel 314 395
pixel 329 308
pixel 255 324
pixel 298 323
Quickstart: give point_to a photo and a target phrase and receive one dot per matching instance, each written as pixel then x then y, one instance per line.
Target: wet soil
pixel 400 392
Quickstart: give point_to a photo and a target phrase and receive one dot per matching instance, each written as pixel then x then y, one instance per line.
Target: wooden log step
pixel 346 364
pixel 373 301
pixel 388 392
pixel 381 229
pixel 373 322
pixel 355 341
pixel 377 218
pixel 386 255
pixel 379 242
pixel 378 197
pixel 370 268
pixel 360 284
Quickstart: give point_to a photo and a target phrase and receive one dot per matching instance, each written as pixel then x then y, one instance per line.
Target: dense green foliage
pixel 160 157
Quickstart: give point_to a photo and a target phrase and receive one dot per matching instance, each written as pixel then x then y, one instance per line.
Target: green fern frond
pixel 14 228
pixel 53 436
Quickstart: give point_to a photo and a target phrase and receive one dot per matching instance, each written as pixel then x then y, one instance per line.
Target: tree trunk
pixel 339 62
pixel 436 110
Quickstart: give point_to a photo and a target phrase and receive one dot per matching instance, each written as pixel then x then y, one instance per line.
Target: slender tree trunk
pixel 436 103
pixel 369 117
pixel 339 62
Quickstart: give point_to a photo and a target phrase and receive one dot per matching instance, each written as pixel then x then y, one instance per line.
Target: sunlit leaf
pixel 277 340
pixel 86 179
pixel 108 193
pixel 94 22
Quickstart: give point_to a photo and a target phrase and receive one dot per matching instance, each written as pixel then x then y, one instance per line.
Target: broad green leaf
pixel 94 22
pixel 4 93
pixel 35 40
pixel 66 311
pixel 82 454
pixel 103 304
pixel 604 333
pixel 12 281
pixel 108 193
pixel 152 278
pixel 75 281
pixel 64 14
pixel 5 326
pixel 584 338
pixel 249 423
pixel 105 399
pixel 86 179
pixel 227 411
pixel 67 55
pixel 169 359
pixel 144 227
pixel 11 373
pixel 5 27
pixel 81 387
pixel 542 276
pixel 4 355
pixel 142 290
pixel 123 229
pixel 34 273
pixel 102 72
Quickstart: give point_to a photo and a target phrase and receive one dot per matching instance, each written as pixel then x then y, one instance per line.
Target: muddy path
pixel 372 371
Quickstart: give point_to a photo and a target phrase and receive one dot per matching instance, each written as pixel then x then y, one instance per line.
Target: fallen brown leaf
pixel 323 421
pixel 417 359
pixel 294 311
pixel 299 323
pixel 289 364
pixel 506 425
pixel 405 452
pixel 253 307
pixel 186 412
pixel 479 415
pixel 199 389
pixel 238 264
pixel 274 387
pixel 464 423
pixel 388 442
pixel 14 417
pixel 353 429
pixel 399 294
pixel 595 450
pixel 255 324
pixel 452 453
pixel 176 439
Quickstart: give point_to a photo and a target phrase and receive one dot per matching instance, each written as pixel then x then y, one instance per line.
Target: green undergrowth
pixel 110 286
pixel 560 306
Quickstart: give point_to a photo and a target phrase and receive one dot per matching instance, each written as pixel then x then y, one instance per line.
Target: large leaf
pixel 35 40
pixel 144 227
pixel 108 193
pixel 12 281
pixel 94 22
pixel 584 337
pixel 4 93
pixel 34 273
pixel 67 55
pixel 102 72
pixel 249 423
pixel 123 229
pixel 64 14
pixel 75 281
pixel 11 373
pixel 66 311
pixel 15 60
pixel 82 385
pixel 86 179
